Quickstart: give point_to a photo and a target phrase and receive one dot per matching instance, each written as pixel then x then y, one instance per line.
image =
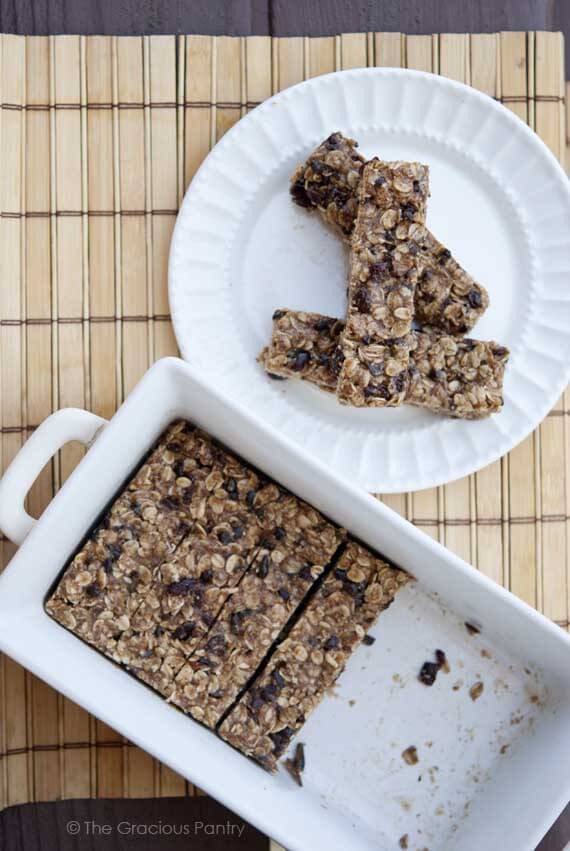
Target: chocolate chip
pixel 280 533
pixel 474 298
pixel 375 368
pixel 323 360
pixel 315 196
pixel 398 383
pixel 107 565
pixel 114 551
pixel 263 568
pixel 183 586
pixel 337 361
pixel 437 374
pixel 93 590
pixel 278 314
pixel 284 594
pixel 158 631
pixel 408 212
pixel 332 643
pixel 276 377
pixel 237 619
pixel 174 446
pixel 238 532
pixel 178 468
pixel 380 390
pixel 216 645
pixel 323 324
pixel 250 498
pixel 500 352
pixel 208 618
pixel 298 359
pixel 429 670
pixel 231 485
pixel 443 256
pixel 207 575
pixel 416 185
pixel 225 537
pixel 299 193
pixel 184 631
pixel 281 740
pixel 305 573
pixel 296 766
pixel 277 679
pixel 428 673
pixel 380 181
pixel 333 142
pixel 339 573
pixel 361 300
pixel 219 692
pixel 169 503
pixel 368 640
pixel 440 658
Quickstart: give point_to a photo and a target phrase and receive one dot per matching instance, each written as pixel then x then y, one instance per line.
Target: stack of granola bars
pixel 410 303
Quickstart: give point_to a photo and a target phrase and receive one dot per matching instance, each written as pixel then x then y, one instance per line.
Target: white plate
pixel 499 201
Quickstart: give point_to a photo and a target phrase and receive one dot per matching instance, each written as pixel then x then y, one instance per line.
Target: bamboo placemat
pixel 99 137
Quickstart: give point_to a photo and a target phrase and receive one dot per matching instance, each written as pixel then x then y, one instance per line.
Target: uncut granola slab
pixel 381 285
pixel 250 621
pixel 462 378
pixel 446 296
pixel 312 656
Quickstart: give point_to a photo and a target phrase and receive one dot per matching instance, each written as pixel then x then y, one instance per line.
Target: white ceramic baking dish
pixel 491 773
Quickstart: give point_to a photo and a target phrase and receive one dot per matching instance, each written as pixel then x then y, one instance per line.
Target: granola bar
pixel 106 581
pixel 301 347
pixel 103 584
pixel 249 623
pixel 184 600
pixel 446 296
pixel 312 656
pixel 381 284
pixel 329 181
pixel 458 377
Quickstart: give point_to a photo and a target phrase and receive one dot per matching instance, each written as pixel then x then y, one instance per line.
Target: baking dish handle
pixel 55 431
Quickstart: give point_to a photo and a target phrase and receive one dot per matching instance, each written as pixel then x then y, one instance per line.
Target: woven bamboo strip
pixel 133 259
pixel 458 496
pixel 353 50
pixel 15 709
pixel 12 387
pixel 198 119
pixel 67 188
pixel 290 62
pixel 101 197
pixel 425 510
pixel 164 178
pixel 388 49
pixel 553 576
pixel 44 700
pixel 320 56
pixel 521 461
pixel 491 527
